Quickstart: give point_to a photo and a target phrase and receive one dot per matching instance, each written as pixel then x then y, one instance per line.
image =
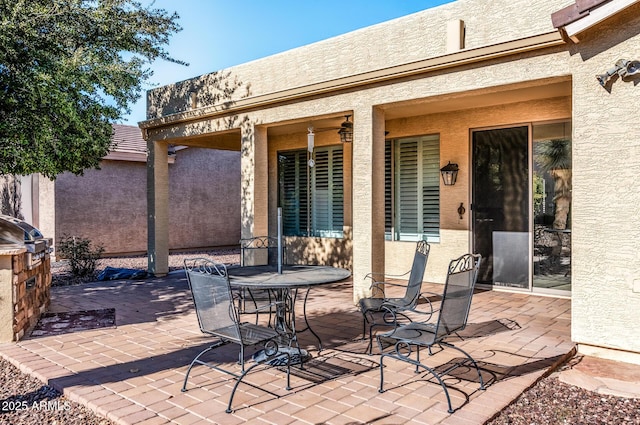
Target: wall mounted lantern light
pixel 346 131
pixel 449 174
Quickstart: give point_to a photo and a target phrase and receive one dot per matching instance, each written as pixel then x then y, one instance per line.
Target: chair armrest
pixel 385 276
pixel 376 283
pixel 262 307
pixel 424 306
pixel 434 294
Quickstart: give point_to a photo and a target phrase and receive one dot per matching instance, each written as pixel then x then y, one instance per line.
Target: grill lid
pixel 17 232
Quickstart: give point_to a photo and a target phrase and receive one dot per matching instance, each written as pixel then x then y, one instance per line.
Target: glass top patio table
pixel 295 276
pixel 284 286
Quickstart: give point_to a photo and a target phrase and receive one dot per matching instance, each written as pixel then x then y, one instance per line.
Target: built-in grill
pixel 18 233
pixel 25 277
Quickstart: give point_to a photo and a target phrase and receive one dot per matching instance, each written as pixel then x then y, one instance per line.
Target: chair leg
pixel 442 384
pixel 417 364
pixel 196 360
pixel 482 387
pixel 245 372
pixel 381 389
pixel 233 392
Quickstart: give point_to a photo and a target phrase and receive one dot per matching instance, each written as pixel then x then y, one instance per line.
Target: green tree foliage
pixel 68 70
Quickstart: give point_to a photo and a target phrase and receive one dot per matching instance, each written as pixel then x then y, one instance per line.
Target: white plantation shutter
pixel 292 168
pixel 416 200
pixel 328 193
pixel 431 186
pixel 326 211
pixel 388 190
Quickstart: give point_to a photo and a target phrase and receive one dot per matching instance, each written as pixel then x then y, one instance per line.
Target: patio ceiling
pixel 522 92
pixel 492 96
pixel 480 98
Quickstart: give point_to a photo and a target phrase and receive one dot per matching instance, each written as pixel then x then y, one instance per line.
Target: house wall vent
pixel 455 36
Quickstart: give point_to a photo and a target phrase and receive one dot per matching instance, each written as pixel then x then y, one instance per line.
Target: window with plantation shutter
pixel 412 188
pixel 316 209
pixel 293 199
pixel 388 191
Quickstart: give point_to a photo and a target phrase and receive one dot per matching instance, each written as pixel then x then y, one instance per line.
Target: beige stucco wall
pixel 403 40
pixel 46 212
pixel 109 206
pixel 606 198
pixel 606 139
pixel 367 106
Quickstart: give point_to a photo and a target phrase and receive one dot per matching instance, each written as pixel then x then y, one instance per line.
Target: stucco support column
pixel 157 209
pixel 6 298
pixel 255 181
pixel 368 197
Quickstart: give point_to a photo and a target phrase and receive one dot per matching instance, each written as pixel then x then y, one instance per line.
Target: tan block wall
pixel 109 206
pixel 606 198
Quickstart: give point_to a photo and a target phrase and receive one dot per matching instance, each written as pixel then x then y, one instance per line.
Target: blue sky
pixel 218 34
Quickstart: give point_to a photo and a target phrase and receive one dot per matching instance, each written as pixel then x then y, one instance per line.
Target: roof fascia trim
pixel 594 17
pixel 464 57
pixel 131 157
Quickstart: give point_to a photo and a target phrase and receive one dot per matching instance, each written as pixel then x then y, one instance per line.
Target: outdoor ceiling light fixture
pixel 346 131
pixel 449 174
pixel 623 68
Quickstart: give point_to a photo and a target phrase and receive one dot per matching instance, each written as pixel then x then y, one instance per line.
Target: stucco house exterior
pixel 109 205
pixel 536 103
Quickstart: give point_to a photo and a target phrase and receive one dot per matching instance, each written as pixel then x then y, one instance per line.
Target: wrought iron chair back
pixel 261 249
pixel 213 299
pixel 457 295
pixel 452 317
pixel 218 316
pixel 389 308
pixel 260 244
pixel 419 266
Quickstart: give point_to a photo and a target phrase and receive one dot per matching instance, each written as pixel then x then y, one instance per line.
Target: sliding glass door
pixel 500 207
pixel 552 207
pixel 521 206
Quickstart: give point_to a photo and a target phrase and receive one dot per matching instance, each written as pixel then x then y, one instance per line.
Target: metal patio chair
pixel 263 248
pixel 386 310
pixel 452 317
pixel 218 316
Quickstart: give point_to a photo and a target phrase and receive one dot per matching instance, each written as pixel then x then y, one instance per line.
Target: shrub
pixel 82 255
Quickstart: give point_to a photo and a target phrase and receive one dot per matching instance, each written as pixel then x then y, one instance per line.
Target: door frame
pixel 530 233
pixel 529 195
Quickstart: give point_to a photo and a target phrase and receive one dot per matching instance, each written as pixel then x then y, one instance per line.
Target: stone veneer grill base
pixel 24 293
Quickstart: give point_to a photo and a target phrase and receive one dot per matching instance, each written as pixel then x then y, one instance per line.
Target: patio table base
pixel 298 356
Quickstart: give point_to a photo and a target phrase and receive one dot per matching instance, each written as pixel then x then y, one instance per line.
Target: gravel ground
pixel 551 402
pixel 61 275
pixel 25 400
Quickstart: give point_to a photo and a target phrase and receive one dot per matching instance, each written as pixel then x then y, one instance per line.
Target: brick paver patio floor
pixel 133 373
